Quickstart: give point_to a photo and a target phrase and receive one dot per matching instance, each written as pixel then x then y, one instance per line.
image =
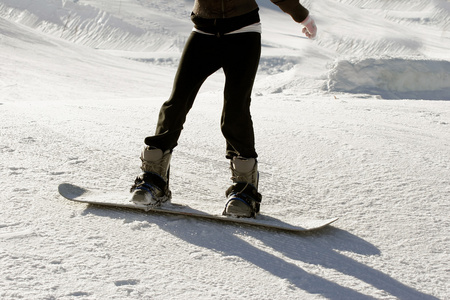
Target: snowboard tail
pixel 121 200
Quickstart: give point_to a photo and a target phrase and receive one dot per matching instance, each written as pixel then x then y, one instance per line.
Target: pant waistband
pixel 222 26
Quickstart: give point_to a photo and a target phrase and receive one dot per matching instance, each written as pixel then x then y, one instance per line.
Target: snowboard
pixel 121 200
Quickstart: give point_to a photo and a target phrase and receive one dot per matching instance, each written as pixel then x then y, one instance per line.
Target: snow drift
pixel 392 78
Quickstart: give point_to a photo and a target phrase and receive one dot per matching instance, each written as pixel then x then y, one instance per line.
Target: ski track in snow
pixel 353 124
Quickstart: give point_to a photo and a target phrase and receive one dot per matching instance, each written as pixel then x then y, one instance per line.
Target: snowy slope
pixel 354 124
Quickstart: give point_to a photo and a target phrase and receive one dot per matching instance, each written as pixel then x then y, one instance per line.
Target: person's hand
pixel 310 29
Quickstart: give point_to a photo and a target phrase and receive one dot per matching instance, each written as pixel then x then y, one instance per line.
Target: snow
pixel 354 124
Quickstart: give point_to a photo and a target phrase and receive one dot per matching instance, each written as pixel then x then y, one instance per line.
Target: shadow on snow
pixel 317 248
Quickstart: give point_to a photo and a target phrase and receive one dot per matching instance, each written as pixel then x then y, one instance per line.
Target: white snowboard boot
pixel 243 197
pixel 152 186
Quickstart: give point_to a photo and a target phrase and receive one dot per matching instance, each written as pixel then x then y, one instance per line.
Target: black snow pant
pixel 238 55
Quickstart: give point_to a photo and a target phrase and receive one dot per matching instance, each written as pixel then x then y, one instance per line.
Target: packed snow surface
pixel 354 124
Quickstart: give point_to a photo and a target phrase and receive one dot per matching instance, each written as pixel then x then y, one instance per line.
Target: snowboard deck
pixel 121 200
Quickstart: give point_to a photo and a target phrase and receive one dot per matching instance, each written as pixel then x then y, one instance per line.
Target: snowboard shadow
pixel 318 248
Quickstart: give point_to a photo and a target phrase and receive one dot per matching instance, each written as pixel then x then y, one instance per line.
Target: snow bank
pixel 394 78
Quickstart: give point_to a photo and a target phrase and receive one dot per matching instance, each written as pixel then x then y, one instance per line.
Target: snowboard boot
pixel 243 197
pixel 151 187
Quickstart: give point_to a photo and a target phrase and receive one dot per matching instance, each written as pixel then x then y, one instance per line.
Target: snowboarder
pixel 227 35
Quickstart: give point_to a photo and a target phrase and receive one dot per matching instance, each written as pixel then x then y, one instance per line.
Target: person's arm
pixel 300 15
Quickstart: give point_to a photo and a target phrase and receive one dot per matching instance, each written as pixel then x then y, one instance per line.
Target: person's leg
pixel 199 60
pixel 242 53
pixel 241 58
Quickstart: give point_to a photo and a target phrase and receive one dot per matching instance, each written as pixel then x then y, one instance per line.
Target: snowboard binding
pixel 152 186
pixel 150 189
pixel 243 201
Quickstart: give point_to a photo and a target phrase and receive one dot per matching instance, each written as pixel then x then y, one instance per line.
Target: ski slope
pixel 354 124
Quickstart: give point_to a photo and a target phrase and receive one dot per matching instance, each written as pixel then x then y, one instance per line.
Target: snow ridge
pixel 89 26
